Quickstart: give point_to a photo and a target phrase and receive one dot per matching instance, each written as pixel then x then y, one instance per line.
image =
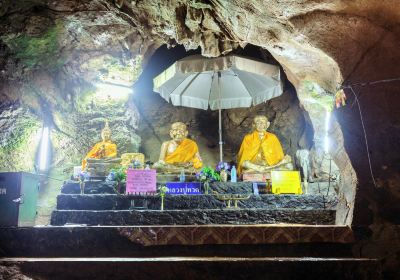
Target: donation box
pixel 286 182
pixel 18 198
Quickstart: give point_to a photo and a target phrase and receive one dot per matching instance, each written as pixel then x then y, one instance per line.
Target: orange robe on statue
pixel 101 150
pixel 185 152
pixel 252 145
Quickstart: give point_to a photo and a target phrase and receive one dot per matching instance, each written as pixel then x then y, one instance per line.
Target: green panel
pixel 29 193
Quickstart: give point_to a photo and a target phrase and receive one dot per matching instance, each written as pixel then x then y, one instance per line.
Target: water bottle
pixel 233 175
pixel 182 176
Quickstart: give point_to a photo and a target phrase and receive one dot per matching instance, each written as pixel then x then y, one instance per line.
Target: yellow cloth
pixel 269 146
pixel 185 152
pixel 101 150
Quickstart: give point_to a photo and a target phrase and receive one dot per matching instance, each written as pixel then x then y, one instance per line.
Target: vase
pixel 206 185
pixel 224 175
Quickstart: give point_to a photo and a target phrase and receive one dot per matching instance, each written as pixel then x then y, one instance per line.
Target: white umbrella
pixel 218 83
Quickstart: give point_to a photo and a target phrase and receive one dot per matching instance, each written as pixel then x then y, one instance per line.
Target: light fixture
pixel 44 147
pixel 326 138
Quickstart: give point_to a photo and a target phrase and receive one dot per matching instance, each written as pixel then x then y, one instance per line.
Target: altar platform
pixel 197 236
pixel 102 205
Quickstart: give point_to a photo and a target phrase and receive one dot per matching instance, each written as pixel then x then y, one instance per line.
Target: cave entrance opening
pixel 304 133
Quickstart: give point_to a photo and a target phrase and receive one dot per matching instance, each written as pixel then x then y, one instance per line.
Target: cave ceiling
pixel 321 41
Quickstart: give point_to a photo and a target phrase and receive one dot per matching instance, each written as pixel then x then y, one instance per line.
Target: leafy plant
pixel 119 174
pixel 207 174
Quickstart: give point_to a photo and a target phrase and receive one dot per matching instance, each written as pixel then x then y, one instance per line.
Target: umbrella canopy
pixel 218 83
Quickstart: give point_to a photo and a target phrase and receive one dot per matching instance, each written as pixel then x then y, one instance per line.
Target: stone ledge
pixel 185 234
pixel 193 216
pixel 91 187
pixel 123 202
pixel 159 241
pixel 192 268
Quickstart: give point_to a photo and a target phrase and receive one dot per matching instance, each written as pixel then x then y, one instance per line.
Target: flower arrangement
pixel 118 175
pixel 207 175
pixel 222 166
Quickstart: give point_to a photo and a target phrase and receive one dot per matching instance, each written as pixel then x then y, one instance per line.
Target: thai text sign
pixel 286 182
pixel 140 181
pixel 184 188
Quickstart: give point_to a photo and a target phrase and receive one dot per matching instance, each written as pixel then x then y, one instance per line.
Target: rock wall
pixel 323 42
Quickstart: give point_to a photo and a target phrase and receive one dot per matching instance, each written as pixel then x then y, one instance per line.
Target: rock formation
pixel 52 54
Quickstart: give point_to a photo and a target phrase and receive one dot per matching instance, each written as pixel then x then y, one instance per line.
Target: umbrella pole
pixel 220 119
pixel 220 134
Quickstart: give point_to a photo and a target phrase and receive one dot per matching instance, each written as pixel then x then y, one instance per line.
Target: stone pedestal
pixel 174 177
pixel 100 168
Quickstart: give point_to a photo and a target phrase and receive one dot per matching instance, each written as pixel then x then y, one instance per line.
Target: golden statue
pixel 180 152
pixel 105 150
pixel 261 151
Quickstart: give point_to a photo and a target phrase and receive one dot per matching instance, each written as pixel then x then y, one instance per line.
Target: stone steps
pixel 126 202
pixel 193 217
pixel 190 268
pixel 192 240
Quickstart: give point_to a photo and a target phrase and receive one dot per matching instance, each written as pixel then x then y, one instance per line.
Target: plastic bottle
pixel 147 167
pixel 182 176
pixel 233 175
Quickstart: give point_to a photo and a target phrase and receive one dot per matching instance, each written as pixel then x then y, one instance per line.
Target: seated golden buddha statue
pixel 104 151
pixel 261 151
pixel 179 153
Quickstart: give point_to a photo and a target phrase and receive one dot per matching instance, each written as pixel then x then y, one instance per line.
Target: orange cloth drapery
pixel 101 150
pixel 270 147
pixel 185 152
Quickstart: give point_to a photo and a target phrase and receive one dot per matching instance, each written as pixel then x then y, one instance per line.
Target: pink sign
pixel 140 181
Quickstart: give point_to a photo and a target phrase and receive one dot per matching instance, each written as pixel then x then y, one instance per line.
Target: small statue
pixel 179 153
pixel 261 151
pixel 105 151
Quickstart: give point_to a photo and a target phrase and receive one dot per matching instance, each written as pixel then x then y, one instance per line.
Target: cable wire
pixel 365 134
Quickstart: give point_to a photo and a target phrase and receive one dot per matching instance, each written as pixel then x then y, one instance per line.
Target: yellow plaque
pixel 286 182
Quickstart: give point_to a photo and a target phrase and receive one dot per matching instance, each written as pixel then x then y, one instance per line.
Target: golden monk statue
pixel 180 152
pixel 105 150
pixel 261 151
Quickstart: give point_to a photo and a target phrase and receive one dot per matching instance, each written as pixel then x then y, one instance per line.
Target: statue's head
pixel 106 132
pixel 178 131
pixel 260 123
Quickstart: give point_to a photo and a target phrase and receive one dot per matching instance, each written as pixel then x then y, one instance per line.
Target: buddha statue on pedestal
pixel 179 153
pixel 102 152
pixel 261 151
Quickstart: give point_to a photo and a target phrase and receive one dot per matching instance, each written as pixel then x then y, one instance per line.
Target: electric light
pixel 44 147
pixel 326 138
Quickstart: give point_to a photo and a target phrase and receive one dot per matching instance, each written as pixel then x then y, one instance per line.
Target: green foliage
pixel 37 52
pixel 119 173
pixel 208 174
